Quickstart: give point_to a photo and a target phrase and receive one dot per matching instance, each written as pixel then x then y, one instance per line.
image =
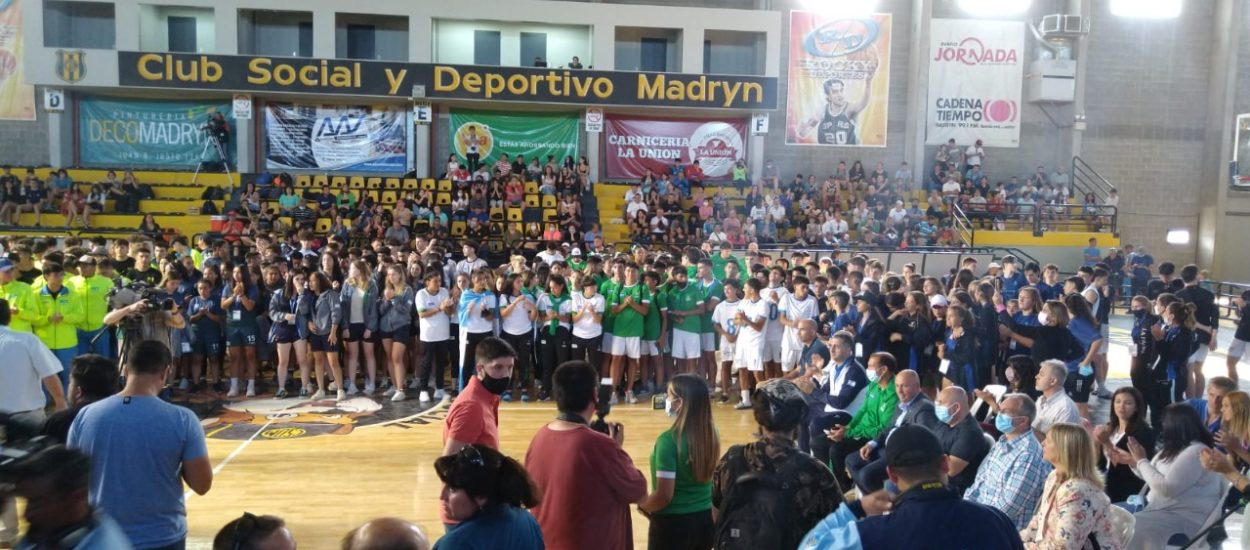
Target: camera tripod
pixel 212 141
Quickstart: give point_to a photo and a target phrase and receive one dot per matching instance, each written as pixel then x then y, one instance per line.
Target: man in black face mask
pixel 474 416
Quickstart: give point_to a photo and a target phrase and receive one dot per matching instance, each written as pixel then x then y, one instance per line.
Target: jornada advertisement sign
pixel 976 77
pixel 634 144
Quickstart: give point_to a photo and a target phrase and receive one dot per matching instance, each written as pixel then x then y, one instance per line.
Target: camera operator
pixel 54 483
pixel 142 314
pixel 27 369
pixel 218 128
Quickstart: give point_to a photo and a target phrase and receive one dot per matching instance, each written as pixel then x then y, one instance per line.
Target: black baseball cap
pixel 912 445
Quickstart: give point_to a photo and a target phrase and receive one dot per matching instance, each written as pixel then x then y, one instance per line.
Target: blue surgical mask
pixel 943 414
pixel 668 407
pixel 873 376
pixel 1003 423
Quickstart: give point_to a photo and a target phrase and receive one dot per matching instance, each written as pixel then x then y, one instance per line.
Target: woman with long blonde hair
pixel 359 302
pixel 1074 511
pixel 395 326
pixel 682 463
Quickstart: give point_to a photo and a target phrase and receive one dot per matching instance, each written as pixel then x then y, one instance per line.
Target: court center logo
pixel 716 145
pixel 473 137
pixel 268 418
pixel 71 65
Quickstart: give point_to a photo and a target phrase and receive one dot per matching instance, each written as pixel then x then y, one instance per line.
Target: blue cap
pixel 6 264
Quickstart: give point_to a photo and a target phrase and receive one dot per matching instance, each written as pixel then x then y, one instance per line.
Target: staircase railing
pixel 963 225
pixel 1088 180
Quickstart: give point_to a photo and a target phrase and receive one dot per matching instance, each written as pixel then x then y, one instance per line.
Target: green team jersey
pixel 711 291
pixel 607 289
pixel 683 299
pixel 659 303
pixel 629 323
pixel 718 265
pixel 577 265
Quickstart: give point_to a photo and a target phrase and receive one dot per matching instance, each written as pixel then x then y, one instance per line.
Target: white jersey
pixel 772 329
pixel 518 322
pixel 586 327
pixel 544 307
pixel 474 322
pixel 797 310
pixel 437 327
pixel 723 317
pixel 748 337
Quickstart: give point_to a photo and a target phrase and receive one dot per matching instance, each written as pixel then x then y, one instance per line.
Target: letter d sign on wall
pixel 53 99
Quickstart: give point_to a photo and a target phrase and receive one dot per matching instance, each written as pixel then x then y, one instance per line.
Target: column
pixel 918 88
pixel 692 50
pixel 323 33
pixel 602 54
pixel 245 143
pixel 1080 49
pixel 1218 227
pixel 421 146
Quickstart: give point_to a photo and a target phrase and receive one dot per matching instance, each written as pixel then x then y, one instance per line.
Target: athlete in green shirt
pixel 629 304
pixel 654 334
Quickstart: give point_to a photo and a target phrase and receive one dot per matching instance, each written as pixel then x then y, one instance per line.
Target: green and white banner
pixel 126 132
pixel 535 135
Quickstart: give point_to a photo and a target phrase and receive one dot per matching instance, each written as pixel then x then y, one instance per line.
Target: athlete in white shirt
pixel 794 308
pixel 751 320
pixel 773 296
pixel 723 322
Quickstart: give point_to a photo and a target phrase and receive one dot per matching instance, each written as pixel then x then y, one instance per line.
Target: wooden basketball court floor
pixel 328 467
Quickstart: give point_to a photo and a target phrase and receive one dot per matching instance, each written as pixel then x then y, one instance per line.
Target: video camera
pixel 600 423
pixel 138 291
pixel 216 127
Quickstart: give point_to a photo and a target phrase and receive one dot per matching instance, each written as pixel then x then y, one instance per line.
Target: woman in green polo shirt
pixel 682 462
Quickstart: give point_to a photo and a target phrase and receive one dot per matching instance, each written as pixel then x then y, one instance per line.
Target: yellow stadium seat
pixel 428 184
pixel 531 201
pixel 411 184
pixel 320 180
pixel 340 180
pixel 496 214
pixel 514 214
pixel 357 181
pixel 531 187
pixel 457 228
pixel 444 185
pixel 303 180
pixel 286 220
pixel 323 225
pixel 391 183
pixel 549 214
pixel 549 201
pixel 373 183
pixel 390 196
pixel 442 198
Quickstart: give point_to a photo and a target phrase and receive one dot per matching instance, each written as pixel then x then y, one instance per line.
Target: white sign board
pixel 594 120
pixel 759 124
pixel 53 99
pixel 242 106
pixel 422 112
pixel 976 77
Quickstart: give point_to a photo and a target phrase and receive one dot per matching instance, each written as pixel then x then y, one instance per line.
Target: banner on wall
pixel 492 134
pixel 976 75
pixel 335 137
pixel 127 132
pixel 17 99
pixel 839 80
pixel 632 145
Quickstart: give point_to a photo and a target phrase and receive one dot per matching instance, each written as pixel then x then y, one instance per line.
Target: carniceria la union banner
pixel 128 132
pixel 335 137
pixel 491 134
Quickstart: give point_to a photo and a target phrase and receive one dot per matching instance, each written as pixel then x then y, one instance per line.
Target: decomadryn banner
pixel 838 90
pixel 335 137
pixel 976 74
pixel 633 145
pixel 130 132
pixel 491 134
pixel 17 99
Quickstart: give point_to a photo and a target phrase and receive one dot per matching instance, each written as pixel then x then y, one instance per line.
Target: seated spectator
pixel 60 184
pixel 586 481
pixel 926 511
pixel 252 532
pixel 54 481
pixel 484 492
pixel 1182 495
pixel 961 436
pixel 1011 477
pixel 779 408
pixel 871 419
pixel 867 468
pixel 91 378
pixel 1054 406
pixel 287 201
pixel 1073 512
pixel 1127 420
pixel 386 534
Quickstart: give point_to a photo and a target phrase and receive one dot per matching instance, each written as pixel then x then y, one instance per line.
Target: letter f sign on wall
pixel 759 124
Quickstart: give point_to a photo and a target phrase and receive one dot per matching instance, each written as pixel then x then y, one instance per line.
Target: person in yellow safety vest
pixel 60 313
pixel 20 296
pixel 92 290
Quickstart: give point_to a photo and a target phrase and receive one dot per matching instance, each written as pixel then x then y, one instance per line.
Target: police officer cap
pixel 912 445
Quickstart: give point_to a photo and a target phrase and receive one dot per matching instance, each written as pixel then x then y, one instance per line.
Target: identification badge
pixel 944 366
pixel 1012 345
pixel 859 349
pixel 1132 350
pixel 186 347
pixel 236 315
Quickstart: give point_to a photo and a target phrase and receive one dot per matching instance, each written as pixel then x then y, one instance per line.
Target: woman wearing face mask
pixel 1174 340
pixel 1085 328
pixel 958 351
pixel 1142 349
pixel 1053 340
pixel 916 330
pixel 682 462
pixel 486 494
pixel 1127 419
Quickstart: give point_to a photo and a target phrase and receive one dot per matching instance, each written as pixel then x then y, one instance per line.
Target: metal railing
pixel 962 224
pixel 1088 180
pixel 1041 218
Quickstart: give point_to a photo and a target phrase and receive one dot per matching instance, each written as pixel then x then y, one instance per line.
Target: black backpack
pixel 759 510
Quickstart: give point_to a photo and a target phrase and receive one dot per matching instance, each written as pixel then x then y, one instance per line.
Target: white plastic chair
pixel 1122 523
pixel 997 390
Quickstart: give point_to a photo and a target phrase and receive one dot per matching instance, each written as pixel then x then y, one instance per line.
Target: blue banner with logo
pixel 127 132
pixel 335 137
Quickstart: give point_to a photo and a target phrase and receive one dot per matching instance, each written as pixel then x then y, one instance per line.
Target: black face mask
pixel 495 385
pixel 1139 313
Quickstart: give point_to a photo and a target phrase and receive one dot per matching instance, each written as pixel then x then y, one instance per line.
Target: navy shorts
pixel 285 334
pixel 241 336
pixel 322 343
pixel 402 334
pixel 356 333
pixel 205 346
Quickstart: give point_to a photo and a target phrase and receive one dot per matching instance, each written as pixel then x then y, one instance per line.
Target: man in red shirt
pixel 585 479
pixel 474 416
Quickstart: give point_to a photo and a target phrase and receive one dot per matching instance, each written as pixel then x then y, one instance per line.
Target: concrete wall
pixel 154 27
pixel 453 42
pixel 25 143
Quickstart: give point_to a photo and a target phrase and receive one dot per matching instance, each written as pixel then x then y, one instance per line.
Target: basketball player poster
pixel 976 77
pixel 839 80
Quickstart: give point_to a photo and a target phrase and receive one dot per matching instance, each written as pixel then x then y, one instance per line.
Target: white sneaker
pixel 630 398
pixel 340 395
pixel 320 394
pixel 251 392
pixel 440 395
pixel 389 392
pixel 352 389
pixel 425 397
pixel 234 392
pixel 333 386
pixel 399 396
pixel 369 388
pixel 184 385
pixel 613 401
